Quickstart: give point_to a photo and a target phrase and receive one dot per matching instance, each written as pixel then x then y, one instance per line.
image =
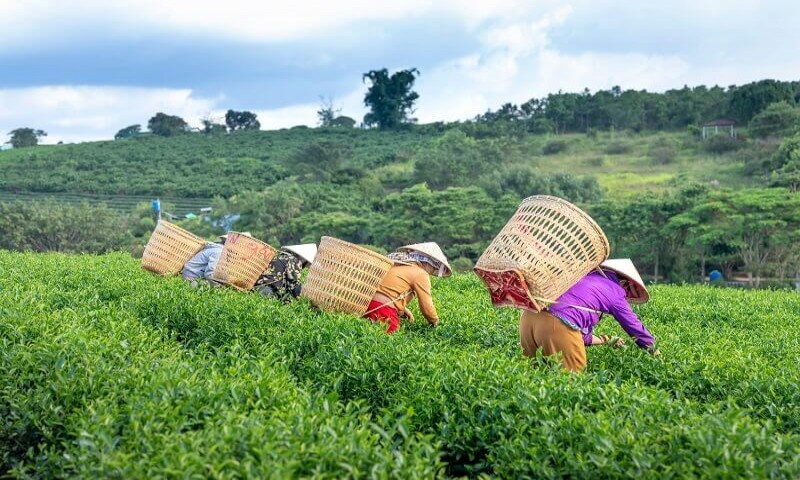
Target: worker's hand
pixel 652 350
pixel 613 342
pixel 408 315
pixel 433 324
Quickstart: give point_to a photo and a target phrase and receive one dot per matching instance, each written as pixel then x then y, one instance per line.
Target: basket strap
pixel 390 302
pixel 578 307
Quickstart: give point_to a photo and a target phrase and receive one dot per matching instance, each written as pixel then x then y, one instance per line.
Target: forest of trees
pixel 641 110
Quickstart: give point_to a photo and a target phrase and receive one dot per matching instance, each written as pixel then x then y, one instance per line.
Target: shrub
pixel 663 150
pixel 718 144
pixel 319 160
pixel 695 131
pixel 47 225
pixel 553 147
pixel 757 156
pixel 541 126
pixel 462 264
pixel 777 120
pixel 618 148
pixel 452 160
pixel 596 161
pixel 525 180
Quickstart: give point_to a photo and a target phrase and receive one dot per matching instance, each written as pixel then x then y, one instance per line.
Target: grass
pixel 634 172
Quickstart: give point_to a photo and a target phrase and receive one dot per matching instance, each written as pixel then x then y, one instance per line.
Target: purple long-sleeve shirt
pixel 597 292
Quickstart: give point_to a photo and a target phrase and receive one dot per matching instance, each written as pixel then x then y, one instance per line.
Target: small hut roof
pixel 722 122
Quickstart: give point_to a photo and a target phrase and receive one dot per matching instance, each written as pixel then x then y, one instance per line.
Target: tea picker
pixel 550 261
pixel 157 209
pixel 282 277
pixel 409 277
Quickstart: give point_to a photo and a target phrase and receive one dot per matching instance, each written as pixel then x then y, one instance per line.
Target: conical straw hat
pixel 432 250
pixel 624 267
pixel 307 251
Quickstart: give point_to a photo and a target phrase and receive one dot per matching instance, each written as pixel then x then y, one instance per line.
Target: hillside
pixel 109 371
pixel 205 166
pixel 678 205
pixel 193 165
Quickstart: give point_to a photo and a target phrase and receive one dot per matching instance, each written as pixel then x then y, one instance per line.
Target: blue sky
pixel 83 69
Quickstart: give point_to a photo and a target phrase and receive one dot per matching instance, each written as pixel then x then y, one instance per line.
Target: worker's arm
pixel 195 267
pixel 615 342
pixel 590 340
pixel 629 321
pixel 213 259
pixel 422 287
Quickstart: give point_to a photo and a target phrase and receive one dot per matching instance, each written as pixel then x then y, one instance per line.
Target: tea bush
pixel 88 390
pixel 109 371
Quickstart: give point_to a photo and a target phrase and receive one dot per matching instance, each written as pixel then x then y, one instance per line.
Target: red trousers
pixel 386 314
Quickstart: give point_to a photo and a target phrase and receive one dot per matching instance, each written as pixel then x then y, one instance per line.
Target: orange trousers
pixel 543 330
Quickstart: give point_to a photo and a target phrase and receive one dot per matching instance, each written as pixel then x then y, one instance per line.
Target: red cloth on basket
pixel 508 289
pixel 386 314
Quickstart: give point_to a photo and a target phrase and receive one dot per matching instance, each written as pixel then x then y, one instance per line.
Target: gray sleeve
pixel 213 259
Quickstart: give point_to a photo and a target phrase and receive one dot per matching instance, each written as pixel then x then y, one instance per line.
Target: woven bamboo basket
pixel 547 246
pixel 344 277
pixel 242 261
pixel 169 248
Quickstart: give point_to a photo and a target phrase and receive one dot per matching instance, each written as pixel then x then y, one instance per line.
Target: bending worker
pixel 281 279
pixel 202 265
pixel 566 326
pixel 409 277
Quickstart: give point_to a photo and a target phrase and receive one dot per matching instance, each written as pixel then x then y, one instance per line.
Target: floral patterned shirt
pixel 281 279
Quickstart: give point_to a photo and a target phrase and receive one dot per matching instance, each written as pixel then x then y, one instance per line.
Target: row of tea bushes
pixel 88 390
pixel 475 401
pixel 718 345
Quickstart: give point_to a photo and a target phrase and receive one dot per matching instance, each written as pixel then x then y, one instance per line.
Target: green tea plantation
pixel 107 371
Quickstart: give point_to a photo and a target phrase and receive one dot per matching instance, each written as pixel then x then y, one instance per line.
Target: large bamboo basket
pixel 169 248
pixel 344 277
pixel 242 261
pixel 547 246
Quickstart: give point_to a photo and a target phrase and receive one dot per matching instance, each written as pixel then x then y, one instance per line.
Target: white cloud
pixel 350 105
pixel 286 117
pixel 74 113
pixel 24 21
pixel 517 62
pixel 515 58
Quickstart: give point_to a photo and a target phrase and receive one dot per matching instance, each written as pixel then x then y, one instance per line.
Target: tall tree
pixel 390 98
pixel 128 132
pixel 165 125
pixel 243 120
pixel 25 137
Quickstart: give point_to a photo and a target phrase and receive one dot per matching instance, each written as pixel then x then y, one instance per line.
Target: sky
pixel 83 69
